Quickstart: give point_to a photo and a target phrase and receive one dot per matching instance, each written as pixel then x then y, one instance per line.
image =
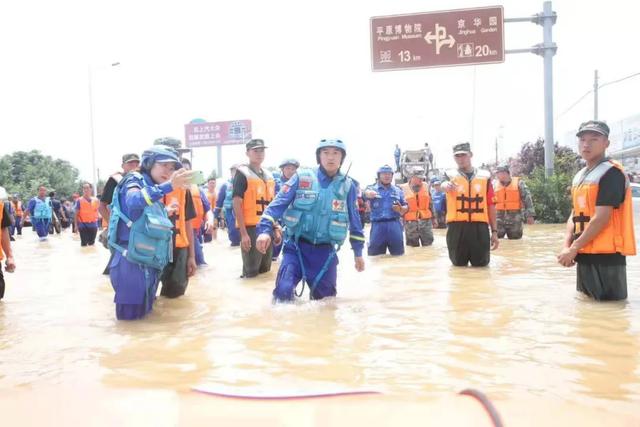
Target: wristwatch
pixel 493 231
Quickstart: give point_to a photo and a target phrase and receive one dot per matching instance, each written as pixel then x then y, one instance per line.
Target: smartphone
pixel 197 177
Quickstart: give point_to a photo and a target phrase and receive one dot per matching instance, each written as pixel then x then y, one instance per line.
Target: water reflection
pixel 413 326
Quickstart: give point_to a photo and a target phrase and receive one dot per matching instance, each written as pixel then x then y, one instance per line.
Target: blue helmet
pixel 336 143
pixel 292 162
pixel 159 153
pixel 385 169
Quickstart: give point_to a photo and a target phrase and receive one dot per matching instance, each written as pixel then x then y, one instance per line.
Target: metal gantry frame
pixel 547 18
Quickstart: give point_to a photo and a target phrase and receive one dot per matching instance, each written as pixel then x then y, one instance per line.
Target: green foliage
pixel 551 196
pixel 23 172
pixel 213 175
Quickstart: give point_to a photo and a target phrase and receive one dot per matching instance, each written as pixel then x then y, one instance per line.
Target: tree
pixel 23 172
pixel 532 155
pixel 551 196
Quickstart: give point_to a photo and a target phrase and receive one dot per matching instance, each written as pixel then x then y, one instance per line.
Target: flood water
pixel 412 327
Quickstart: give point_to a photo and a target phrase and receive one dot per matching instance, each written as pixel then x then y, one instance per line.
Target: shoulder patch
pixel 305 182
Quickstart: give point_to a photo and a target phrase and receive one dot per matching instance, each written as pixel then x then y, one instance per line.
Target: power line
pixel 619 80
pixel 591 91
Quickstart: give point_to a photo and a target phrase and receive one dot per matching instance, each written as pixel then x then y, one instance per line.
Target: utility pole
pixel 595 95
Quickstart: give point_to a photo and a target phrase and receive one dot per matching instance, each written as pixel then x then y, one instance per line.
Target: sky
pixel 300 71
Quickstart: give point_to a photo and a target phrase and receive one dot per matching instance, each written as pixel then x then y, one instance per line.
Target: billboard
pixel 211 134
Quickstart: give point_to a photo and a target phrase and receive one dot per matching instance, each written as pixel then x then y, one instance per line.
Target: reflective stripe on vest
pixel 88 211
pixel 469 201
pixel 507 198
pixel 178 196
pixel 419 203
pixel 319 215
pixel 196 223
pixel 617 235
pixel 258 195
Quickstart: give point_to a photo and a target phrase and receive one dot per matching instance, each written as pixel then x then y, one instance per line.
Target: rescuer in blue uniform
pixel 318 207
pixel 439 200
pixel 288 168
pixel 135 282
pixel 387 207
pixel 225 201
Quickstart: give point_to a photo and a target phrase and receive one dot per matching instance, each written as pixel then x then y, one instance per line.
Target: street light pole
pixel 93 144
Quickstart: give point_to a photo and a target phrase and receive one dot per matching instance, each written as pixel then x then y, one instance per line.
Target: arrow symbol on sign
pixel 440 37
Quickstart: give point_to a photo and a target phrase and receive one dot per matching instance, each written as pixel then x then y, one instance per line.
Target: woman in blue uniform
pixel 134 280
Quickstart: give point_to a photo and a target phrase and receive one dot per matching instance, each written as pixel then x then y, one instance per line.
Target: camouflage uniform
pixel 419 231
pixel 511 222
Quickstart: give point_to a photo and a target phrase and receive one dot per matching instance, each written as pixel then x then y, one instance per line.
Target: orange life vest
pixel 88 211
pixel 17 208
pixel 617 235
pixel 468 201
pixel 196 223
pixel 179 196
pixel 258 195
pixel 507 198
pixel 419 203
pixel 1 232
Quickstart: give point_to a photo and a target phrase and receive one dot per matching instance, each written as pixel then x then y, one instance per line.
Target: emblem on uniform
pixel 305 183
pixel 285 188
pixel 337 206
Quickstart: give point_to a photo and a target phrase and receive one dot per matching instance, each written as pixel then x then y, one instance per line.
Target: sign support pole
pixel 547 49
pixel 219 156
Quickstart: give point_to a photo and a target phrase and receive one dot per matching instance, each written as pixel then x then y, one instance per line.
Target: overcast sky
pixel 301 71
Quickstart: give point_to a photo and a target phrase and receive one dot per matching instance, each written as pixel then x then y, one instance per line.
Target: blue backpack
pixel 150 237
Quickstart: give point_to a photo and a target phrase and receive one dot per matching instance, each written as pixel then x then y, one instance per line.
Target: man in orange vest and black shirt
pixel 600 228
pixel 253 190
pixel 513 201
pixel 471 212
pixel 418 219
pixel 86 220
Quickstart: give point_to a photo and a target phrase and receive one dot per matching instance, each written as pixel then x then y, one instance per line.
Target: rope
pixel 486 404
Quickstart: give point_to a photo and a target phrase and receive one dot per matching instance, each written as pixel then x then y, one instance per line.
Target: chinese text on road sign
pixel 435 39
pixel 217 133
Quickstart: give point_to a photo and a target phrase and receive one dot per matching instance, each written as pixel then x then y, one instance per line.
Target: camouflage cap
pixel 255 143
pixel 596 126
pixel 130 157
pixel 462 148
pixel 503 168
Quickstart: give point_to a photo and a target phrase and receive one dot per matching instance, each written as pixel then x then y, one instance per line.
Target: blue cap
pixel 385 169
pixel 159 154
